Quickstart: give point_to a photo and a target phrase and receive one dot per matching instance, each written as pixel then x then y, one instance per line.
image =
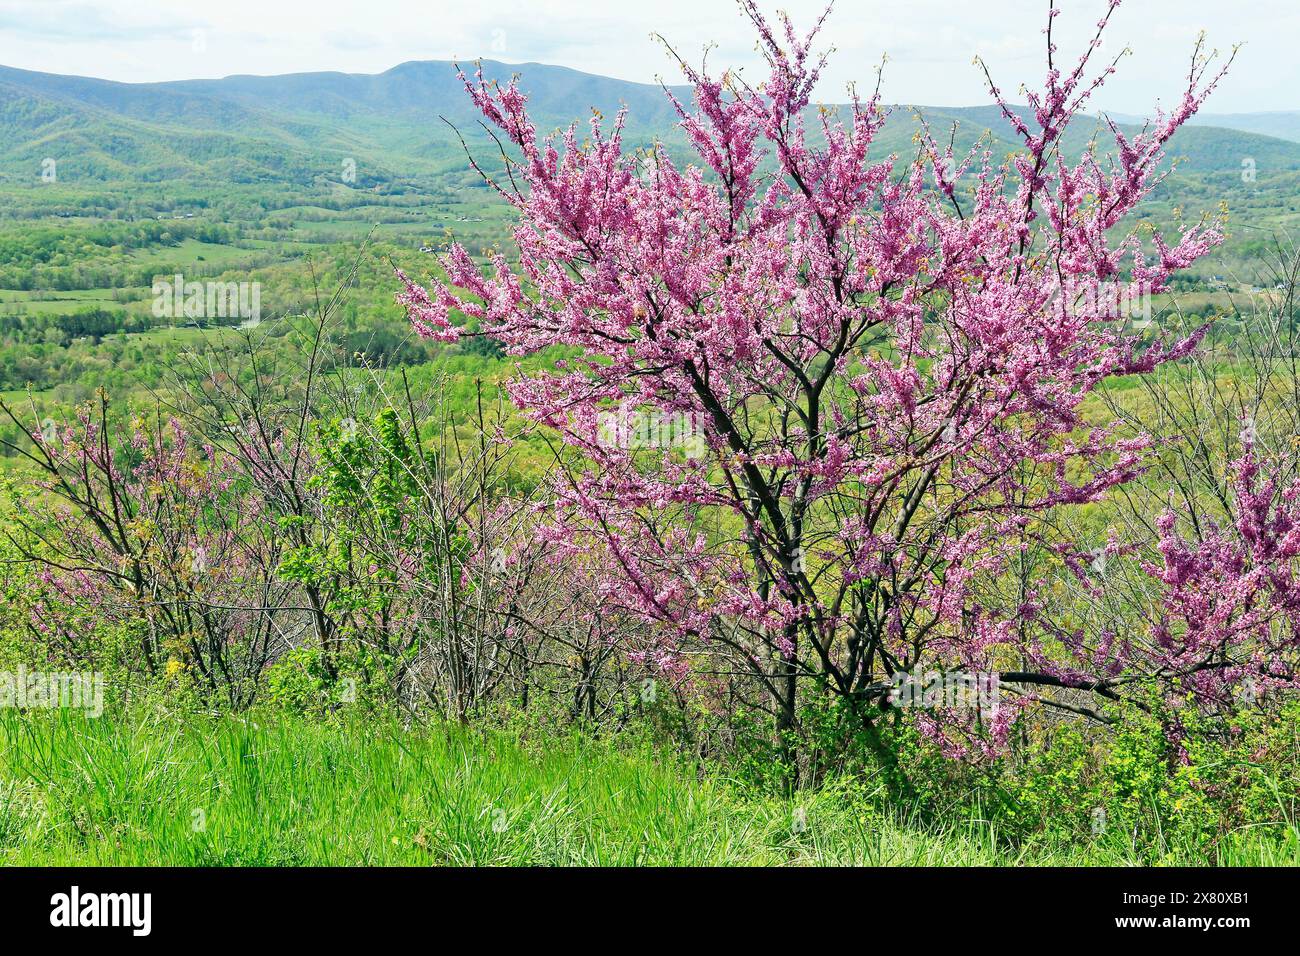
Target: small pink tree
pixel 885 361
pixel 142 527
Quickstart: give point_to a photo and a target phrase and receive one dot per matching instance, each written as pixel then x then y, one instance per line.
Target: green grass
pixel 250 792
pixel 192 251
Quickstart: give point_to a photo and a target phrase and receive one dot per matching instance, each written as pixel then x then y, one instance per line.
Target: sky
pixel 929 43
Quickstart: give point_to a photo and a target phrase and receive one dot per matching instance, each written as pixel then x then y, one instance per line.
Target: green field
pixel 264 791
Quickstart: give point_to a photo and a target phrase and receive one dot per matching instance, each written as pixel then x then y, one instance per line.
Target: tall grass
pixel 158 790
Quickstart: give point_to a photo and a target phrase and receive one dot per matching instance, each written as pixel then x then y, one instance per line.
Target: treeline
pixel 39 245
pixel 76 369
pixel 93 323
pixel 94 256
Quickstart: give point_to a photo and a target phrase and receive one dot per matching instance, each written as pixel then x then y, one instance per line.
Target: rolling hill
pixel 300 128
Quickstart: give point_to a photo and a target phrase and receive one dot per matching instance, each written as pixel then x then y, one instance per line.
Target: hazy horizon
pixel 929 52
pixel 467 61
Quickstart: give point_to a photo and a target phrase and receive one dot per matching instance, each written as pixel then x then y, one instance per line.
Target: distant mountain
pixel 302 127
pixel 295 127
pixel 1283 124
pixel 421 90
pixel 1201 148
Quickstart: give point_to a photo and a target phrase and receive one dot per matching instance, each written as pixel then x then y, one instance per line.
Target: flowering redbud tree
pixel 887 360
pixel 144 528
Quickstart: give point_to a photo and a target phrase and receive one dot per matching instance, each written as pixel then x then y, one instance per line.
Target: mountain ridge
pixel 300 126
